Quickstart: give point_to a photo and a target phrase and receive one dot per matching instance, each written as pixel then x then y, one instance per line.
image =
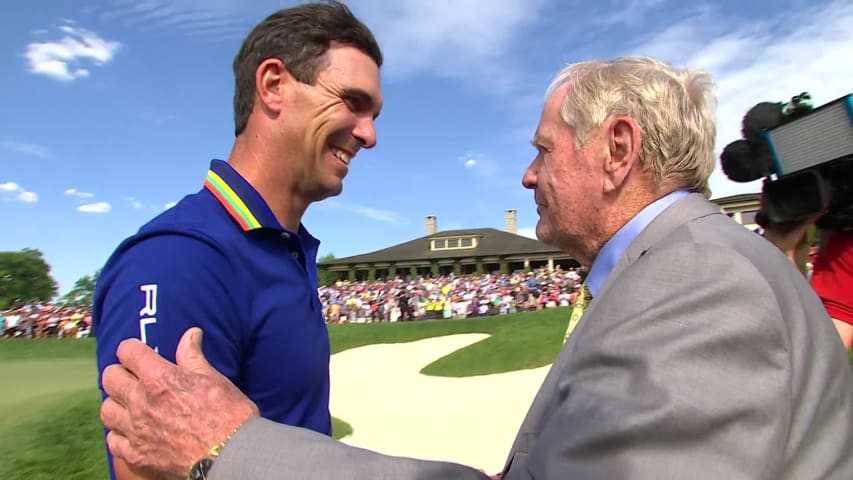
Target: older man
pixel 701 353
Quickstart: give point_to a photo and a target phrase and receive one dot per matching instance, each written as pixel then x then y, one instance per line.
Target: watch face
pixel 201 469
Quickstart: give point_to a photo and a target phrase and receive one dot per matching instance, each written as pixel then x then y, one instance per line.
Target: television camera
pixel 806 156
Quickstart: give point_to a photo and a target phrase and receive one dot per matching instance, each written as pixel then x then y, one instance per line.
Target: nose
pixel 365 132
pixel 530 176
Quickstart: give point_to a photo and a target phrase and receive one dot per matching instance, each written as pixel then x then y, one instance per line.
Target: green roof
pixel 491 242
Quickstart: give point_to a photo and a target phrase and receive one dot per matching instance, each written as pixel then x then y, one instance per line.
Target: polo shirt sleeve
pixel 159 287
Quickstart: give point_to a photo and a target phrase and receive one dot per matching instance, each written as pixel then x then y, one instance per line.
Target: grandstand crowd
pixel 48 320
pixel 400 299
pixel 465 296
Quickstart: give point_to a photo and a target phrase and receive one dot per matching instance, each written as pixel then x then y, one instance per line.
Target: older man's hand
pixel 164 417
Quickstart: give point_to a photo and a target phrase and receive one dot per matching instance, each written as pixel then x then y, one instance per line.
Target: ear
pixel 624 141
pixel 270 80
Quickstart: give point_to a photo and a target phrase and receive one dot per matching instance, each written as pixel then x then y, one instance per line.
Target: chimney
pixel 431 224
pixel 511 224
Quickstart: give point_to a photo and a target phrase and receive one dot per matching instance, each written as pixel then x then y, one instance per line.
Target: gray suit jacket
pixel 705 355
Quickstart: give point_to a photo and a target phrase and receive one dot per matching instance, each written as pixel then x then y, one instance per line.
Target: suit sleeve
pixel 681 375
pixel 264 450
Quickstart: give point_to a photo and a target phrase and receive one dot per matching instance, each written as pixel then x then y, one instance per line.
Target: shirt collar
pixel 615 248
pixel 239 198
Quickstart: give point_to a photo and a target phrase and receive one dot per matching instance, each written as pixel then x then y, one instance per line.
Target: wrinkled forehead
pixel 349 67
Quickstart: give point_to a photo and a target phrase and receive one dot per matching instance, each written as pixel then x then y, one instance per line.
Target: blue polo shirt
pixel 220 260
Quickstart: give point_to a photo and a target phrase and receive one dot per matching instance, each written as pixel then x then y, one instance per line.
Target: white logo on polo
pixel 150 309
pixel 148 313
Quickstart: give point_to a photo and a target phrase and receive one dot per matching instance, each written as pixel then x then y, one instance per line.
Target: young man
pixel 234 258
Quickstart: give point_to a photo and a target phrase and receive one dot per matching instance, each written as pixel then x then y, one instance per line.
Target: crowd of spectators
pixel 399 299
pixel 449 297
pixel 48 320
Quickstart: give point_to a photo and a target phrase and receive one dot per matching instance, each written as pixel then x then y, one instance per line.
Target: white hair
pixel 675 110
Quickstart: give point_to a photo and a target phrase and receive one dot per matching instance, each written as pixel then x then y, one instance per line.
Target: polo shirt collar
pixel 239 198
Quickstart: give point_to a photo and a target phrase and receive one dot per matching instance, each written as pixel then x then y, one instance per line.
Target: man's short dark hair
pixel 299 37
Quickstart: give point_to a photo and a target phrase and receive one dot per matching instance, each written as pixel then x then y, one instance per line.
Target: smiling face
pixel 324 125
pixel 567 184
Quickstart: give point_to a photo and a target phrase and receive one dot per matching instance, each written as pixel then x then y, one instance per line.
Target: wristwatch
pixel 201 469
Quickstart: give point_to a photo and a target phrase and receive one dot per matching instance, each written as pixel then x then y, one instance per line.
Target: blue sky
pixel 112 109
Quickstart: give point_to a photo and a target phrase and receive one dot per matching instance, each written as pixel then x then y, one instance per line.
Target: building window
pixel 748 218
pixel 457 243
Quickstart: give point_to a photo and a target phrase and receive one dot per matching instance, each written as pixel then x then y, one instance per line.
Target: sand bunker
pixel 398 411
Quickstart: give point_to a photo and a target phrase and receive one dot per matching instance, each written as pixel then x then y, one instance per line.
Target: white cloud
pixel 481 165
pixel 385 216
pixel 29 149
pixel 375 214
pixel 133 202
pixel 468 40
pixel 97 207
pixel 218 19
pixel 61 59
pixel 73 192
pixel 169 205
pixel 28 197
pixel 11 191
pixel 763 60
pixel 529 232
pixel 628 12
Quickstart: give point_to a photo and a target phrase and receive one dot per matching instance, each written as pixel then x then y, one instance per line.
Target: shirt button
pixel 285 235
pixel 295 255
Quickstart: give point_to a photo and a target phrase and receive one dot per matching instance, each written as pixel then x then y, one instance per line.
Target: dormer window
pixel 453 243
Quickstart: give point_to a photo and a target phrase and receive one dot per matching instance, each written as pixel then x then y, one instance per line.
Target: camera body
pixel 806 157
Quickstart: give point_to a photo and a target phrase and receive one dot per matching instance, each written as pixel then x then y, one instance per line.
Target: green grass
pixel 47 348
pixel 60 438
pixel 520 341
pixel 340 428
pixel 49 426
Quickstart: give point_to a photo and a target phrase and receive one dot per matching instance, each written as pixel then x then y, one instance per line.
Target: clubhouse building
pixel 483 250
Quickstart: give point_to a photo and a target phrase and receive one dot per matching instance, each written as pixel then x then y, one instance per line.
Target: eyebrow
pixel 362 96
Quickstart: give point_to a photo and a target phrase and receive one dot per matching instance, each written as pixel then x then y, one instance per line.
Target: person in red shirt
pixel 832 277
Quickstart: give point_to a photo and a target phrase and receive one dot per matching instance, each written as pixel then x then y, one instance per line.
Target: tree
pixel 25 276
pixel 325 277
pixel 81 293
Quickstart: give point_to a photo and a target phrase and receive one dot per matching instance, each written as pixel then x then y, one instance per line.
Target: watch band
pixel 201 469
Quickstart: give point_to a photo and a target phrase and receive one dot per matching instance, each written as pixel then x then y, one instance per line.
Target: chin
pixel 543 234
pixel 328 191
